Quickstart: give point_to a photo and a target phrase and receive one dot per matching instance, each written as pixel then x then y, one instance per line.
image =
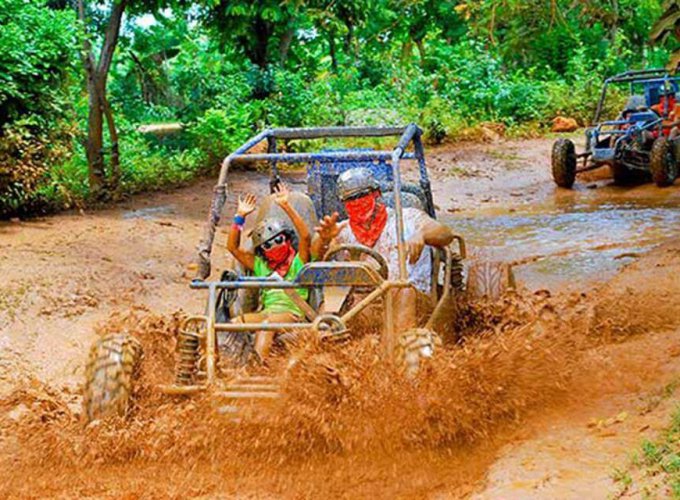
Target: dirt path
pixel 65 275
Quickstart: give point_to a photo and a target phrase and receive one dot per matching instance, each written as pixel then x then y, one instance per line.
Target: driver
pixel 373 224
pixel 667 109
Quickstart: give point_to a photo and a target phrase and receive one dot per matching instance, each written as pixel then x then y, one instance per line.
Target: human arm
pixel 327 230
pixel 430 232
pixel 245 207
pixel 281 199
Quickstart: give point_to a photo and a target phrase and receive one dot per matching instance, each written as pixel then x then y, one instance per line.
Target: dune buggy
pixel 207 339
pixel 639 142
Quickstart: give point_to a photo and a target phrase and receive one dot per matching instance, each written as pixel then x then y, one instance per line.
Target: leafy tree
pixel 667 26
pixel 97 72
pixel 262 29
pixel 35 95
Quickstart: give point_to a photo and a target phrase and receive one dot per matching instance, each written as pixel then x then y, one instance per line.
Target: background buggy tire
pixel 564 163
pixel 415 347
pixel 489 280
pixel 112 370
pixel 662 162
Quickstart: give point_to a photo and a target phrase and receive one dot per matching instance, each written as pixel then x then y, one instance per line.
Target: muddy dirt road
pixel 66 276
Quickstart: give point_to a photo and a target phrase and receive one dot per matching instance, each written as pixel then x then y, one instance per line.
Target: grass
pixel 656 466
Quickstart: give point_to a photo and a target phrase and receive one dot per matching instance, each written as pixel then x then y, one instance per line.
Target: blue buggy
pixel 639 143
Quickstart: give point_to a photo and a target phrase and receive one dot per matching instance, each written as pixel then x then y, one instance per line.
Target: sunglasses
pixel 274 242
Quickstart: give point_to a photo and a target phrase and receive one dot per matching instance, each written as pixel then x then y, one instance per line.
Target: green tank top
pixel 276 301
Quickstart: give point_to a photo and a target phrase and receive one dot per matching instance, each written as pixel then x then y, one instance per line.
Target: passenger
pixel 274 253
pixel 373 224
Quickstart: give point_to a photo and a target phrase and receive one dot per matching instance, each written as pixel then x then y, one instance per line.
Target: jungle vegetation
pixel 79 77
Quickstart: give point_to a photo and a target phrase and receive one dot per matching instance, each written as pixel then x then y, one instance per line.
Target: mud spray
pixel 347 422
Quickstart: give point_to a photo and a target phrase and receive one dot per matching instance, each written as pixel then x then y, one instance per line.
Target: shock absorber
pixel 188 345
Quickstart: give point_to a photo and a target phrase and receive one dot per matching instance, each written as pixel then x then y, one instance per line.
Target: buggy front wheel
pixel 111 374
pixel 564 163
pixel 414 349
pixel 662 162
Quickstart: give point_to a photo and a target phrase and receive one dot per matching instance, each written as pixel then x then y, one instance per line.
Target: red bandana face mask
pixel 280 257
pixel 367 218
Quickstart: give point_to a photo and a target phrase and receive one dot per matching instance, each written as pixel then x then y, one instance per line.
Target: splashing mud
pixel 345 414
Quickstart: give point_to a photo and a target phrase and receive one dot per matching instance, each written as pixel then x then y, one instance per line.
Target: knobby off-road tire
pixel 110 377
pixel 489 280
pixel 457 274
pixel 564 163
pixel 414 349
pixel 662 162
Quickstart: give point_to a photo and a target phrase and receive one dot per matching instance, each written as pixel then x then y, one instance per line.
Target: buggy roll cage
pixel 407 135
pixel 655 75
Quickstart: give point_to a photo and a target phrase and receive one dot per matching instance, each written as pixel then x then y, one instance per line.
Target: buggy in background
pixel 640 143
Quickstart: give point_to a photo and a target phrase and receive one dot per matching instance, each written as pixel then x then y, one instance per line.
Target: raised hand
pixel 246 205
pixel 328 227
pixel 281 194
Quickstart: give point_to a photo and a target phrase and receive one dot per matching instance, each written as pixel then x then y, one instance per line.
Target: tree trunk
pixel 262 33
pixel 95 139
pixel 349 40
pixel 421 52
pixel 114 159
pixel 332 50
pixel 99 108
pixel 406 51
pixel 284 45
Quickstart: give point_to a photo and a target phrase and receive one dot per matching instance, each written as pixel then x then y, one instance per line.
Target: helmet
pixel 666 89
pixel 356 181
pixel 268 229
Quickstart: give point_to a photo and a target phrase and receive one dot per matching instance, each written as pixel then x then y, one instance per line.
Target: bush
pixel 36 114
pixel 222 129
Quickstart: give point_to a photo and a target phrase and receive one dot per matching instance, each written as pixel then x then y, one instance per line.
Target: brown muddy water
pixel 574 239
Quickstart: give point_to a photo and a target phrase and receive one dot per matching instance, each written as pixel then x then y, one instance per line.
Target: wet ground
pixel 570 240
pixel 65 276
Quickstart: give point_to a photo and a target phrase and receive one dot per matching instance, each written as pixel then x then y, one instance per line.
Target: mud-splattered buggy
pixel 637 144
pixel 206 337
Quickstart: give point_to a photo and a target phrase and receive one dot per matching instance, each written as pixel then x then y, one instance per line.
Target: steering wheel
pixel 355 252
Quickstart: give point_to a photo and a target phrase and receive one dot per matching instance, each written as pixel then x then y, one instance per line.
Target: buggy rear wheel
pixel 489 280
pixel 415 347
pixel 662 162
pixel 564 163
pixel 112 370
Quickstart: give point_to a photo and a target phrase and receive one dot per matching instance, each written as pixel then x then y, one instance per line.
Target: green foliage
pixel 660 460
pixel 226 69
pixel 36 57
pixel 222 129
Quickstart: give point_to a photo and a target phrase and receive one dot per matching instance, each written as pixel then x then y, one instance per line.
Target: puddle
pixel 148 213
pixel 571 243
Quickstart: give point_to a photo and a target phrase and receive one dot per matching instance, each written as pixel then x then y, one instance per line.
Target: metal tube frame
pixel 212 327
pixel 410 133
